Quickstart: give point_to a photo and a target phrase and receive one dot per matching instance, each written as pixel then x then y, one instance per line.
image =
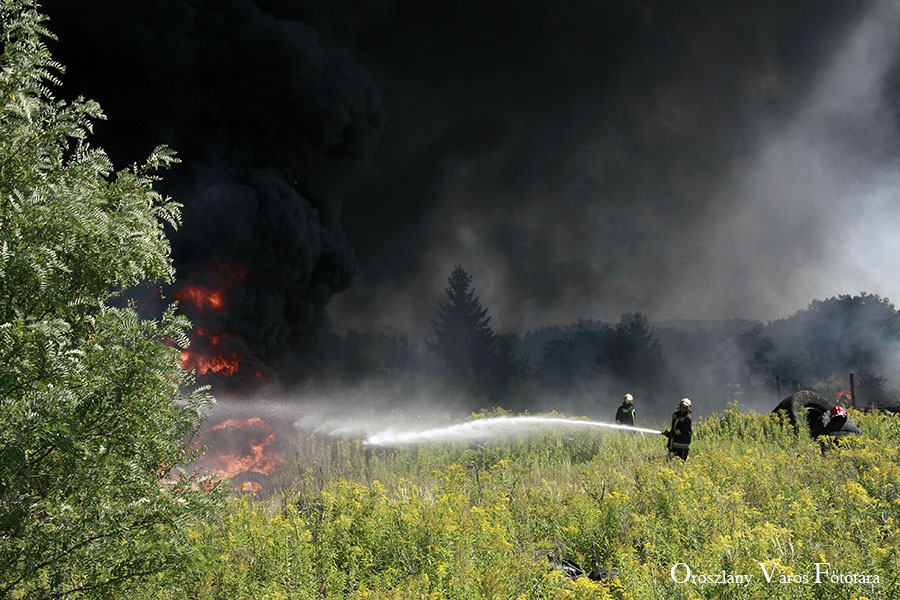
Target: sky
pixel 582 159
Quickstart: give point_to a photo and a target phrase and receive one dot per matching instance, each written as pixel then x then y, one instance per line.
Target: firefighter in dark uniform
pixel 625 413
pixel 837 418
pixel 830 434
pixel 681 431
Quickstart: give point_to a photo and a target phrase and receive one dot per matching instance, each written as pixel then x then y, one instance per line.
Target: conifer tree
pixel 93 417
pixel 632 355
pixel 464 341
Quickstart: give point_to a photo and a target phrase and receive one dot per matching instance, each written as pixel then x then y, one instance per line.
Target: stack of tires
pixel 817 414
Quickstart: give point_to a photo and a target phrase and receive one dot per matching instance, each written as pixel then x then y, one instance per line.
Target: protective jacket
pixel 681 431
pixel 625 414
pixel 835 424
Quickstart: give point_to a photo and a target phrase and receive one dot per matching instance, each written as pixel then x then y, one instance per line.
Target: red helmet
pixel 837 410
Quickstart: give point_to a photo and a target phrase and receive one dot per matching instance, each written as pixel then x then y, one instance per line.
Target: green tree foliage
pixel 359 355
pixel 871 391
pixel 632 354
pixel 92 414
pixel 837 336
pixel 743 360
pixel 626 354
pixel 470 356
pixel 757 349
pixel 513 377
pixel 571 359
pixel 464 341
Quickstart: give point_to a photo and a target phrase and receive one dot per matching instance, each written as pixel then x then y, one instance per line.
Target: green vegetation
pixel 467 354
pixel 92 417
pixel 453 521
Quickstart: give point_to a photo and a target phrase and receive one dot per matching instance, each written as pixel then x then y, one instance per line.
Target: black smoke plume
pixel 272 119
pixel 684 160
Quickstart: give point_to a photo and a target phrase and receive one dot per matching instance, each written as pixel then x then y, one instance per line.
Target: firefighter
pixel 625 413
pixel 681 431
pixel 830 433
pixel 837 418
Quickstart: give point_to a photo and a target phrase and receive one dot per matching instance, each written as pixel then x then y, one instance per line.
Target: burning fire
pixel 844 396
pixel 224 365
pixel 217 363
pixel 249 486
pixel 257 438
pixel 202 297
pixel 207 299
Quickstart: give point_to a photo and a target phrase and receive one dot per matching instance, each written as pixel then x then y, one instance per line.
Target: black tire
pixel 849 428
pixel 816 406
pixel 817 413
pixel 603 574
pixel 251 481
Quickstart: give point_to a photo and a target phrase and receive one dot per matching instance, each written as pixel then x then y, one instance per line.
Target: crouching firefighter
pixel 681 431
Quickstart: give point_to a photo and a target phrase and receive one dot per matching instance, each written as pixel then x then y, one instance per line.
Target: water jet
pixel 487 428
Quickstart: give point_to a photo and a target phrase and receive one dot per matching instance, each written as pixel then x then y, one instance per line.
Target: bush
pixel 92 416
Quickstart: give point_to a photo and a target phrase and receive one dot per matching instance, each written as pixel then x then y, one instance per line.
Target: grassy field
pixel 490 521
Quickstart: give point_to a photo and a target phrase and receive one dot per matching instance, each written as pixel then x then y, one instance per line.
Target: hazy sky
pixel 694 159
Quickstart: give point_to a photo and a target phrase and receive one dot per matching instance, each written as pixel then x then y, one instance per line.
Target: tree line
pixel 589 364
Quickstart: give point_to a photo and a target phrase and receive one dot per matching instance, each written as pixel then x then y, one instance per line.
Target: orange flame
pixel 210 356
pixel 202 297
pixel 243 424
pixel 844 396
pixel 250 486
pixel 192 360
pixel 260 459
pixel 225 365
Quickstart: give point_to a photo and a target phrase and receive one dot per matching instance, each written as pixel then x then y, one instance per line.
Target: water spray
pixel 484 428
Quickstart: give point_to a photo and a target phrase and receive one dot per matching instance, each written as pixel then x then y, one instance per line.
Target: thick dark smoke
pixel 272 120
pixel 684 159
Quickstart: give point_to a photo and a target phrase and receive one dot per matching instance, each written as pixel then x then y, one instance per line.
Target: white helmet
pixel 628 399
pixel 685 402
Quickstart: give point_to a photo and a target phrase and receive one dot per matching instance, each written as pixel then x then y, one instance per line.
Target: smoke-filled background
pixel 686 160
pixel 681 159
